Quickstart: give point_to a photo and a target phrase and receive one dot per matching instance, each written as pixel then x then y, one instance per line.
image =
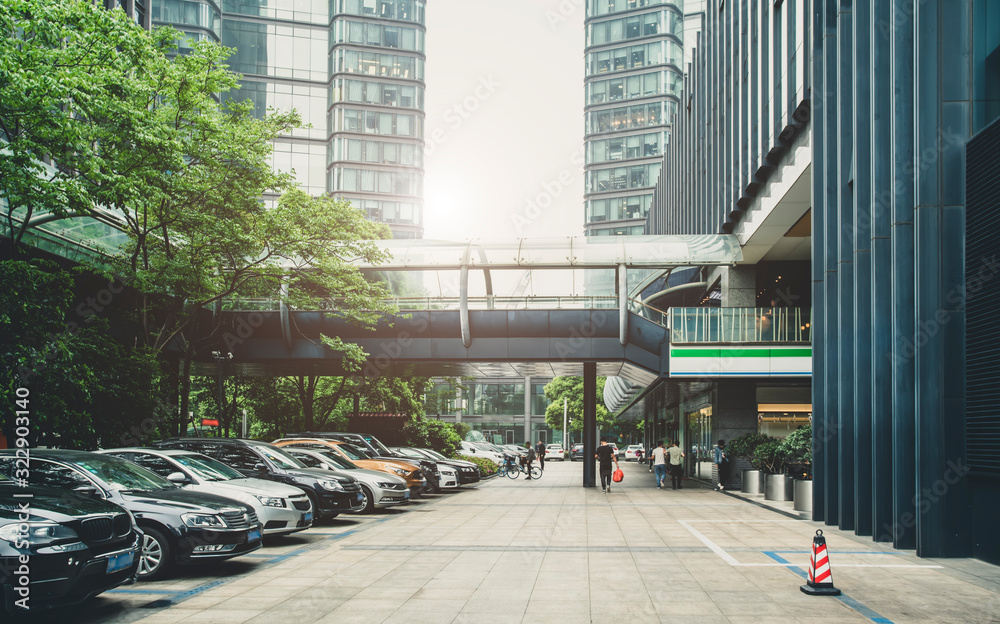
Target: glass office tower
pixel 376 113
pixel 633 83
pixel 354 69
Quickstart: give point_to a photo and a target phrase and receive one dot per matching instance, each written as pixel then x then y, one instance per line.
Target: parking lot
pixel 550 550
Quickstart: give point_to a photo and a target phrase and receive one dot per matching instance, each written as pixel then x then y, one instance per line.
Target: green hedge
pixel 486 467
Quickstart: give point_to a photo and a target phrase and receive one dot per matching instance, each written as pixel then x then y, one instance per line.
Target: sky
pixel 504 126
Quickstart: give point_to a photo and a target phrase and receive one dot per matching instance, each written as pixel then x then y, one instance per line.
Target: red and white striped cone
pixel 820 581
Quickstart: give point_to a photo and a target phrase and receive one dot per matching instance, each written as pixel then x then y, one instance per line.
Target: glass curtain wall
pixel 375 117
pixel 633 84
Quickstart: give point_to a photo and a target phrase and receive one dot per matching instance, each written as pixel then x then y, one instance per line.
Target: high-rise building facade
pixel 354 69
pixel 633 82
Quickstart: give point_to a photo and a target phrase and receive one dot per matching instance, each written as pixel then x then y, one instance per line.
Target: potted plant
pixel 798 451
pixel 743 447
pixel 770 456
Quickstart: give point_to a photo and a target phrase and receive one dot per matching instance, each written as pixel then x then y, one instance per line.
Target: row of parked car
pixel 497 452
pixel 75 523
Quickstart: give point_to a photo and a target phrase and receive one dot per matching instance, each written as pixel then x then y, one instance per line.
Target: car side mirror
pixel 86 490
pixel 260 468
pixel 178 477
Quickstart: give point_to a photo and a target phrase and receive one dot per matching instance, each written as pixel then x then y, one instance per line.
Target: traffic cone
pixel 820 581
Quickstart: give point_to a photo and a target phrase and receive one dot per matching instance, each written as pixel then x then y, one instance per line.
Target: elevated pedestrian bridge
pixel 526 307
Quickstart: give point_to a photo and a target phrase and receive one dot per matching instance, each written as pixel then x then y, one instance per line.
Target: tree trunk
pixel 185 391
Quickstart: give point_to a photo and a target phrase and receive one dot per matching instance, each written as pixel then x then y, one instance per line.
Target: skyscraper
pixel 633 83
pixel 354 69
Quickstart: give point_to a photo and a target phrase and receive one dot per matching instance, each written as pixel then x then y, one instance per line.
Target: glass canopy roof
pixel 574 251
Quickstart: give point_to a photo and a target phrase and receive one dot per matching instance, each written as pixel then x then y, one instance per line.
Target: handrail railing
pixel 592 302
pixel 740 325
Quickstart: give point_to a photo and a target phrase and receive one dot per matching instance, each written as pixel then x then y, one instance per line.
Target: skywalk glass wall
pixel 633 82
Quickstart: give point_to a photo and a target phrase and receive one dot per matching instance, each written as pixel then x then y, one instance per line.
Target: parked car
pixel 514 448
pixel 465 471
pixel 576 452
pixel 554 452
pixel 379 488
pixel 281 508
pixel 618 453
pixel 78 546
pixel 408 471
pixel 376 450
pixel 329 494
pixel 630 451
pixel 472 448
pixel 178 526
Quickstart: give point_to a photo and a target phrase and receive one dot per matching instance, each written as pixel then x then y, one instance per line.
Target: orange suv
pixel 403 469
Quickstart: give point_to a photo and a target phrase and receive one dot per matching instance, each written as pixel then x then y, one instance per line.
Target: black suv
pixel 76 547
pixel 371 445
pixel 179 526
pixel 330 494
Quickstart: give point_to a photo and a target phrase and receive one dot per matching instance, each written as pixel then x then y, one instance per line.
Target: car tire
pixel 369 500
pixel 157 555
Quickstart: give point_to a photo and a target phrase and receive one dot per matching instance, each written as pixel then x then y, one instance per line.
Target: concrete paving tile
pixel 222 617
pixel 570 609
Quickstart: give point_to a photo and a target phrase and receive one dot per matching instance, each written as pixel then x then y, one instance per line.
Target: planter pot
pixel 803 495
pixel 753 482
pixel 778 488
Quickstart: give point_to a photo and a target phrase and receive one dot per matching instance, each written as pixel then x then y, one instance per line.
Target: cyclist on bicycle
pixel 529 458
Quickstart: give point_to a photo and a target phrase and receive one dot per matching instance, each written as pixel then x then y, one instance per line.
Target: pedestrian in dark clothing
pixel 605 455
pixel 540 451
pixel 530 458
pixel 723 464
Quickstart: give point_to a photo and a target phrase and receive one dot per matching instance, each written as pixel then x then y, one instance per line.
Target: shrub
pixel 745 446
pixel 486 467
pixel 770 456
pixel 797 447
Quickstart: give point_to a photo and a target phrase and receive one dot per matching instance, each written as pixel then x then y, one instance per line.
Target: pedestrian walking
pixel 605 455
pixel 540 451
pixel 723 464
pixel 659 457
pixel 674 457
pixel 638 456
pixel 529 458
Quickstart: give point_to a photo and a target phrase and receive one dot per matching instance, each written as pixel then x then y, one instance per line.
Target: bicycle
pixel 509 469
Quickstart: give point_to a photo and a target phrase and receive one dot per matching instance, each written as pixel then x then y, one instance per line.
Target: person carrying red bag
pixel 605 455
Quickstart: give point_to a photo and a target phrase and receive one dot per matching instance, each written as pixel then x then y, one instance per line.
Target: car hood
pixel 254 487
pixel 319 473
pixel 372 476
pixel 52 504
pixel 456 463
pixel 178 500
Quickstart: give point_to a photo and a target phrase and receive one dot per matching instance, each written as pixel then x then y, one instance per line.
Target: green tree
pixel 85 389
pixel 571 388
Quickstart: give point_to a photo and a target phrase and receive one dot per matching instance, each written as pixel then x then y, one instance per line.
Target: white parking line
pixel 718 550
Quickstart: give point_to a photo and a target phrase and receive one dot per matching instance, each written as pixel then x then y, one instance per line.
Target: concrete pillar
pixel 589 423
pixel 527 410
pixel 739 287
pixel 734 413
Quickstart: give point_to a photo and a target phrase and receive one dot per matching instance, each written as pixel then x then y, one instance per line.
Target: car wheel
pixel 369 500
pixel 157 555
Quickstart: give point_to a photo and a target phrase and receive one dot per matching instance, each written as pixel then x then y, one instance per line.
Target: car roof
pixel 232 441
pixel 166 452
pixel 63 454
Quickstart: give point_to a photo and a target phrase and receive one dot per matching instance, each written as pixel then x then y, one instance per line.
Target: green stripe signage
pixel 740 361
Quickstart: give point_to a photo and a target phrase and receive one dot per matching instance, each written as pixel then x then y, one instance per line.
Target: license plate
pixel 406 495
pixel 253 535
pixel 116 563
pixel 361 496
pixel 307 516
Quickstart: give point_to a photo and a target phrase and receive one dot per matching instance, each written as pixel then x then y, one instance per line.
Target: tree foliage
pixel 571 388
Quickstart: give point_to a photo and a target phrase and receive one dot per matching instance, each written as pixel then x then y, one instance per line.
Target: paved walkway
pixel 552 551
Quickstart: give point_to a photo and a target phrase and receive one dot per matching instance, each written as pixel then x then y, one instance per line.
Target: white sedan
pixel 630 451
pixel 554 452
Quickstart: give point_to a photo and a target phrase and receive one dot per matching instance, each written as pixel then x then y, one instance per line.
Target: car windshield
pixel 486 446
pixel 434 454
pixel 352 451
pixel 279 457
pixel 339 461
pixel 123 476
pixel 381 448
pixel 207 468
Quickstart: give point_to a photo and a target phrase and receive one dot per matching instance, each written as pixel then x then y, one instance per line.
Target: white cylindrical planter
pixel 778 488
pixel 752 482
pixel 803 497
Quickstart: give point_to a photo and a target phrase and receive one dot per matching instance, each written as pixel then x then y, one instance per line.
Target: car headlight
pixel 36 533
pixel 270 501
pixel 386 486
pixel 400 472
pixel 334 486
pixel 203 521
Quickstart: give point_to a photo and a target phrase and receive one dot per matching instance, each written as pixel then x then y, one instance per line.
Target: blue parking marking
pixel 844 598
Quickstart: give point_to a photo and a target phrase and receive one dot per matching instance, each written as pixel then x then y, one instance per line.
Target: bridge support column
pixel 527 410
pixel 589 423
